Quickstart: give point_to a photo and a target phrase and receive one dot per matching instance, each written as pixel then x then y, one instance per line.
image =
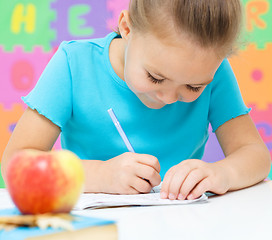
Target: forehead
pixel 178 58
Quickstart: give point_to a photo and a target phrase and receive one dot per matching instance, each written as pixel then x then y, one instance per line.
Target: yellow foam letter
pixel 18 17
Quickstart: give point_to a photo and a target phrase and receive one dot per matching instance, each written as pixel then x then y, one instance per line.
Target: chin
pixel 150 102
pixel 154 105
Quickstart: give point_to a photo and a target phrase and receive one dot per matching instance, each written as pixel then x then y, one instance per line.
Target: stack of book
pixel 14 226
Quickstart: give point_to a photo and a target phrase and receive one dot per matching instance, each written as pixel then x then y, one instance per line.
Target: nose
pixel 168 97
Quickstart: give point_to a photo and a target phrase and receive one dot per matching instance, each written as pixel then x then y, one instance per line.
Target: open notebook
pixel 100 200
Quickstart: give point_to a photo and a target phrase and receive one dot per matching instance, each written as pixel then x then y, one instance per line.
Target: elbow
pixel 267 162
pixel 4 162
pixel 3 169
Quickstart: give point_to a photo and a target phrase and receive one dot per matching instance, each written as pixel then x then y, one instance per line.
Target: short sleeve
pixel 226 101
pixel 52 95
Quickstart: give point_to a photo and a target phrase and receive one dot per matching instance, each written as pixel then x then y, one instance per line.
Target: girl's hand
pixel 191 178
pixel 131 173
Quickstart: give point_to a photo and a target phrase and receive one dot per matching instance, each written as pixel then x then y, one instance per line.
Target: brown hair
pixel 209 23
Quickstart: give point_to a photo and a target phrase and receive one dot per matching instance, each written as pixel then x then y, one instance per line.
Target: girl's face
pixel 163 72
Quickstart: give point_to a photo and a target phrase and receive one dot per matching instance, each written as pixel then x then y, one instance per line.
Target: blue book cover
pixel 22 233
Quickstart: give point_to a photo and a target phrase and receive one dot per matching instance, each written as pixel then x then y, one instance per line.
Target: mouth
pixel 154 99
pixel 154 103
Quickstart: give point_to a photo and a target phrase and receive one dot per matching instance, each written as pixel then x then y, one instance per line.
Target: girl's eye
pixel 154 80
pixel 193 89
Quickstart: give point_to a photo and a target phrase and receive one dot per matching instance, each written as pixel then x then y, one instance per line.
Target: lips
pixel 154 99
pixel 155 103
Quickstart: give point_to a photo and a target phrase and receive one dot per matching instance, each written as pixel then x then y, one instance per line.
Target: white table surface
pixel 244 214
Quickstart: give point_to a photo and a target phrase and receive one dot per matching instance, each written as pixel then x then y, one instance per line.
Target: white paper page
pixel 94 200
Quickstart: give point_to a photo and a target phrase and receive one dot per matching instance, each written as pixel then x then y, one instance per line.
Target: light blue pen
pixel 122 133
pixel 120 130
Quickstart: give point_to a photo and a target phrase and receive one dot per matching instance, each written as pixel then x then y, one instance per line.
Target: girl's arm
pixel 247 161
pixel 33 131
pixel 123 174
pixel 247 157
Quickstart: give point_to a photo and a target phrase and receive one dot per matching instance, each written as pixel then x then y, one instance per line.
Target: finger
pixel 131 190
pixel 166 183
pixel 200 188
pixel 127 188
pixel 149 160
pixel 176 183
pixel 181 172
pixel 192 179
pixel 149 174
pixel 141 185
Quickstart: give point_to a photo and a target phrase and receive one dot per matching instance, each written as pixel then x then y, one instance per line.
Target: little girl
pixel 166 76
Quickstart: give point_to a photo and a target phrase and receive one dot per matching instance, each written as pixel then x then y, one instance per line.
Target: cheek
pixel 141 86
pixel 137 81
pixel 135 75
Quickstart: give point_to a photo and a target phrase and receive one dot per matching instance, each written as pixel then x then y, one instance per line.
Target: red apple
pixel 45 182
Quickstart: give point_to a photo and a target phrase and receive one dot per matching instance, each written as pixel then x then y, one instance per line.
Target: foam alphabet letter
pixel 19 16
pixel 254 9
pixel 76 23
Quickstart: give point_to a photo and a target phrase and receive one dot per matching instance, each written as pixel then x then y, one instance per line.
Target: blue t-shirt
pixel 79 85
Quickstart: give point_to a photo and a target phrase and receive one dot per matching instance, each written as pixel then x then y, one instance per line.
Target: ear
pixel 124 24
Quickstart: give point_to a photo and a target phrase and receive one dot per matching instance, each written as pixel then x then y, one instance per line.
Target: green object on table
pixel 2 184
